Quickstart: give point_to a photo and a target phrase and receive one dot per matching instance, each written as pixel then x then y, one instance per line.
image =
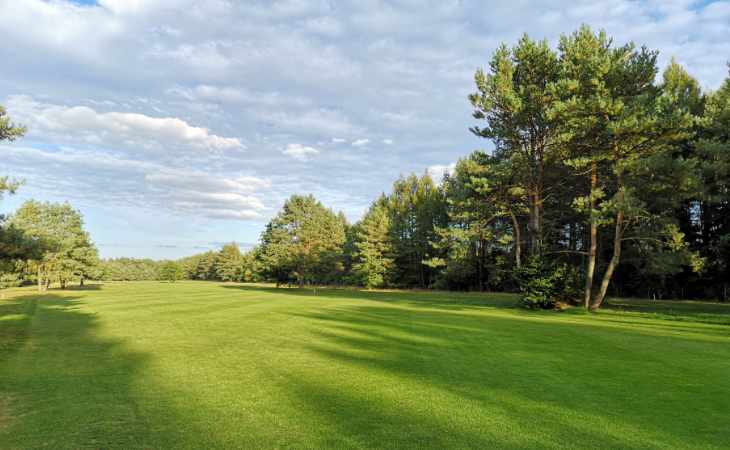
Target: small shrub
pixel 544 285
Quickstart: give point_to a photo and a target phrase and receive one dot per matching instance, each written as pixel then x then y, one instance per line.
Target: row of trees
pixel 604 177
pixel 601 180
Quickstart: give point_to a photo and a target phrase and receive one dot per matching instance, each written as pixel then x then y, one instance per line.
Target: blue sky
pixel 176 125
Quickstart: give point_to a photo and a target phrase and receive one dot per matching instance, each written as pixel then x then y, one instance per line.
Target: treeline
pixel 226 264
pixel 602 181
pixel 604 178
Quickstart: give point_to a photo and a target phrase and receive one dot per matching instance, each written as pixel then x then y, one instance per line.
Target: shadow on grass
pixel 423 298
pixel 85 287
pixel 63 386
pixel 506 384
pixel 676 311
pixel 679 310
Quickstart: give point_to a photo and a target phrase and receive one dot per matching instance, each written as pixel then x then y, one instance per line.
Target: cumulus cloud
pixel 167 92
pixel 300 152
pixel 132 183
pixel 114 128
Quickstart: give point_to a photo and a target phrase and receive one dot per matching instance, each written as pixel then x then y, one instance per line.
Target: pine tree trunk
pixel 518 240
pixel 591 266
pixel 618 235
pixel 40 279
pixel 535 225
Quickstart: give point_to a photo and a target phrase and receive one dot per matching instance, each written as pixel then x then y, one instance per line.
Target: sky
pixel 177 125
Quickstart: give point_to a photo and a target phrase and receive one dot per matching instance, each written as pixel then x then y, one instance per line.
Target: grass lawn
pixel 205 365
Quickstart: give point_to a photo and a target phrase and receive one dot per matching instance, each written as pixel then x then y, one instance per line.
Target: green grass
pixel 204 365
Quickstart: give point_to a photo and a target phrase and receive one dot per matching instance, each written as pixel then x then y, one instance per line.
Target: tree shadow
pixel 674 311
pixel 64 386
pixel 454 301
pixel 677 310
pixel 84 287
pixel 520 391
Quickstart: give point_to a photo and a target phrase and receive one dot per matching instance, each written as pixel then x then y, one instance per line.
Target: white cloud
pixel 360 142
pixel 196 180
pixel 114 128
pixel 438 171
pixel 126 182
pixel 231 94
pixel 300 152
pixel 155 73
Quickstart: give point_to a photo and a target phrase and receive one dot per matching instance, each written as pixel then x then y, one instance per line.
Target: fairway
pixel 206 365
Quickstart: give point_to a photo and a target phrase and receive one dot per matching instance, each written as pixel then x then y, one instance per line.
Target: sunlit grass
pixel 204 365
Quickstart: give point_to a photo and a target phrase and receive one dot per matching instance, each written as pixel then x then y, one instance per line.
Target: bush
pixel 544 285
pixel 8 280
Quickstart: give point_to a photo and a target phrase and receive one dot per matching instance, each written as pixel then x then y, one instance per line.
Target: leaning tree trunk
pixel 591 266
pixel 617 237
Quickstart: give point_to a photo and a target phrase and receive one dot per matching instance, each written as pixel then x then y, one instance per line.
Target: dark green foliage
pixel 545 285
pixel 303 243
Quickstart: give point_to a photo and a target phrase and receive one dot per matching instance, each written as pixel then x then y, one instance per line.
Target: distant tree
pixel 250 270
pixel 416 209
pixel 229 263
pixel 62 248
pixel 171 271
pixel 483 206
pixel 129 269
pixel 303 242
pixel 372 258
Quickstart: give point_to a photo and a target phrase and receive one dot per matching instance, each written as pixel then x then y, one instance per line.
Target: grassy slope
pixel 202 365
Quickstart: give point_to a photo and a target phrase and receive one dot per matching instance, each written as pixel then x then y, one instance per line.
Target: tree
pixel 613 118
pixel 372 258
pixel 229 263
pixel 514 99
pixel 713 203
pixel 62 248
pixel 416 209
pixel 9 131
pixel 303 242
pixel 171 271
pixel 483 206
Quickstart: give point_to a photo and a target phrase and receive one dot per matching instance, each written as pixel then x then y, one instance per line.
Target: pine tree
pixel 372 258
